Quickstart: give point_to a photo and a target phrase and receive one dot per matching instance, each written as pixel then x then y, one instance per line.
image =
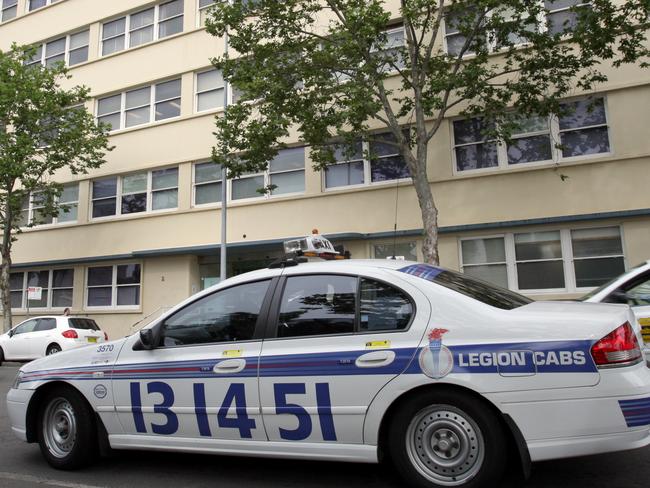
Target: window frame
pixel 119 193
pixel 568 260
pixel 197 93
pixel 127 28
pixel 200 10
pixel 66 50
pixel 3 9
pixel 555 139
pixel 50 289
pixel 55 219
pixel 114 287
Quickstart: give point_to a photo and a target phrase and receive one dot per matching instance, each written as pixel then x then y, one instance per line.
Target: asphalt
pixel 21 466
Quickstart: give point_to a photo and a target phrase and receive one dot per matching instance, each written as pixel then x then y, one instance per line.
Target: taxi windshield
pixel 478 290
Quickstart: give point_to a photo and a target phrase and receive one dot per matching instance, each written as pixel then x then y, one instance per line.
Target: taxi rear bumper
pixel 17 402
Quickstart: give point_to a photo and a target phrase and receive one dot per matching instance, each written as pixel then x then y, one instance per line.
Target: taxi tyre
pixel 66 429
pixel 52 349
pixel 466 437
pixel 2 356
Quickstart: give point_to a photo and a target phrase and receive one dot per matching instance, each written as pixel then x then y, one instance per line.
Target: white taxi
pixel 352 361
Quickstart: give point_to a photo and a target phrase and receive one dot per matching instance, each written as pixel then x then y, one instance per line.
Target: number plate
pixel 92 339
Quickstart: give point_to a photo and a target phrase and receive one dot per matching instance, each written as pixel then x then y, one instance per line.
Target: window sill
pixel 369 186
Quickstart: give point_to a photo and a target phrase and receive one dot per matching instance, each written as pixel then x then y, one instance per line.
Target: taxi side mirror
pixel 11 332
pixel 147 339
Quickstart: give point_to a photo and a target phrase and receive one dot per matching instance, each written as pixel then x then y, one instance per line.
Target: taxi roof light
pixel 618 348
pixel 312 247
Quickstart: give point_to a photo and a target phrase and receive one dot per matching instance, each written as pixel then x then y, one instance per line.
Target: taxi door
pixel 201 381
pixel 333 341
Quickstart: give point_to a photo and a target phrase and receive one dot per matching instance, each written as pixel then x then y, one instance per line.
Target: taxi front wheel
pixel 447 439
pixel 66 429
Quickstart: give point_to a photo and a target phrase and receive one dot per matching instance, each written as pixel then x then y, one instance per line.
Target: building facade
pixel 143 231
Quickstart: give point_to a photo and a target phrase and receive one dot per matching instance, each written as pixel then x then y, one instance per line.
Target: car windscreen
pixel 478 290
pixel 86 324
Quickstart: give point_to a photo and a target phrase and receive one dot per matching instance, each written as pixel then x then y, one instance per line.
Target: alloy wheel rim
pixel 59 427
pixel 445 445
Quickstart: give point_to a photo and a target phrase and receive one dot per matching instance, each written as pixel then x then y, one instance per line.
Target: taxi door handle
pixel 229 366
pixel 375 359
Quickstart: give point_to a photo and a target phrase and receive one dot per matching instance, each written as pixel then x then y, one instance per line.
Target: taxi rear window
pixel 85 324
pixel 471 287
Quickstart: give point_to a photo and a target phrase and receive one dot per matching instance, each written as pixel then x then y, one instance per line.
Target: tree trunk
pixel 429 217
pixel 5 270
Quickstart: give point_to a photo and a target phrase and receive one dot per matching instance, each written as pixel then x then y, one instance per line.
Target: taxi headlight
pixel 18 380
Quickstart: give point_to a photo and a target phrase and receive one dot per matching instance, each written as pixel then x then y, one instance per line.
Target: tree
pixel 328 69
pixel 44 128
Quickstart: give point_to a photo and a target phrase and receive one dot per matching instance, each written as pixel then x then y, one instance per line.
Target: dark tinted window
pixel 45 324
pixel 224 316
pixel 383 307
pixel 471 287
pixel 318 305
pixel 86 324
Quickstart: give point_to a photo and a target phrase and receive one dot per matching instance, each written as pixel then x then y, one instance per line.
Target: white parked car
pixel 631 288
pixel 350 361
pixel 41 336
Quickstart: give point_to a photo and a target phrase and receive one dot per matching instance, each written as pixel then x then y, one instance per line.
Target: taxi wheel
pixel 66 429
pixel 53 349
pixel 447 439
pixel 2 356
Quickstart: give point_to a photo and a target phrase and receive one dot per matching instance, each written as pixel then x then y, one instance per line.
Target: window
pixel 581 130
pixel 207 183
pixel 141 27
pixel 560 17
pixel 45 324
pixel 70 50
pixel 559 260
pixel 26 327
pixel 318 305
pixel 286 172
pixel 393 50
pixel 136 193
pixel 382 307
pixel 141 105
pixel 57 287
pixel 398 250
pixel 113 286
pixel 31 213
pixel 353 167
pixel 9 10
pixel 83 324
pixel 204 8
pixel 228 315
pixel 34 4
pixel 455 40
pixel 209 90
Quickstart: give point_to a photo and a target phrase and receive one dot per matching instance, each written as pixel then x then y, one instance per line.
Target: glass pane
pixel 100 275
pixel 36 58
pixel 41 218
pixel 469 130
pixel 38 278
pixel 560 22
pixel 292 182
pixel 530 149
pixel 584 142
pixel 34 4
pixel 128 295
pixel 45 324
pixel 639 293
pixel 128 274
pixel 111 29
pixel 79 39
pixel 109 105
pixel 170 27
pixel 104 208
pixel 83 324
pixel 560 4
pixel 113 45
pixel 134 203
pixel 288 159
pixel 406 250
pixel 209 193
pixel 99 297
pixel 477 156
pixel 344 174
pixel 541 275
pixel 204 172
pixel 16 299
pixel 205 3
pixel 247 187
pixel 528 124
pixel 225 316
pixel 78 56
pixel 49 62
pixel 209 80
pixel 170 9
pixel 316 305
pixel 595 272
pixel 380 147
pixel 68 214
pixel 9 13
pixel 70 193
pixel 164 199
pixel 138 98
pixel 388 168
pixel 113 121
pixel 496 274
pixel 596 242
pixel 166 110
pixel 16 281
pixel 141 19
pixel 137 116
pixel 42 303
pixel 383 307
pixel 62 298
pixel 479 251
pixel 583 113
pixel 168 89
pixel 164 178
pixel 141 36
pixel 210 100
pixel 134 183
pixel 62 278
pixel 538 245
pixel 348 152
pixel 55 47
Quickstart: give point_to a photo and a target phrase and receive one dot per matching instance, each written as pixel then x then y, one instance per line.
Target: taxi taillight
pixel 618 348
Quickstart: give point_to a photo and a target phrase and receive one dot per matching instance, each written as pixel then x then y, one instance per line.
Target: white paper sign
pixel 34 293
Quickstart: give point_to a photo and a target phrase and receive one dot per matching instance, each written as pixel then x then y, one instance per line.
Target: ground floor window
pixel 56 288
pixel 399 250
pixel 113 286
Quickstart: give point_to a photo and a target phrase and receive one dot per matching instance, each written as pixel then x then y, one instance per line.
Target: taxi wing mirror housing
pixel 11 333
pixel 147 340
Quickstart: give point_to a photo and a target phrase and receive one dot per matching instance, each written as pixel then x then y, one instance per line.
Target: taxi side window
pixel 634 293
pixel 45 324
pixel 225 316
pixel 25 328
pixel 383 307
pixel 318 305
